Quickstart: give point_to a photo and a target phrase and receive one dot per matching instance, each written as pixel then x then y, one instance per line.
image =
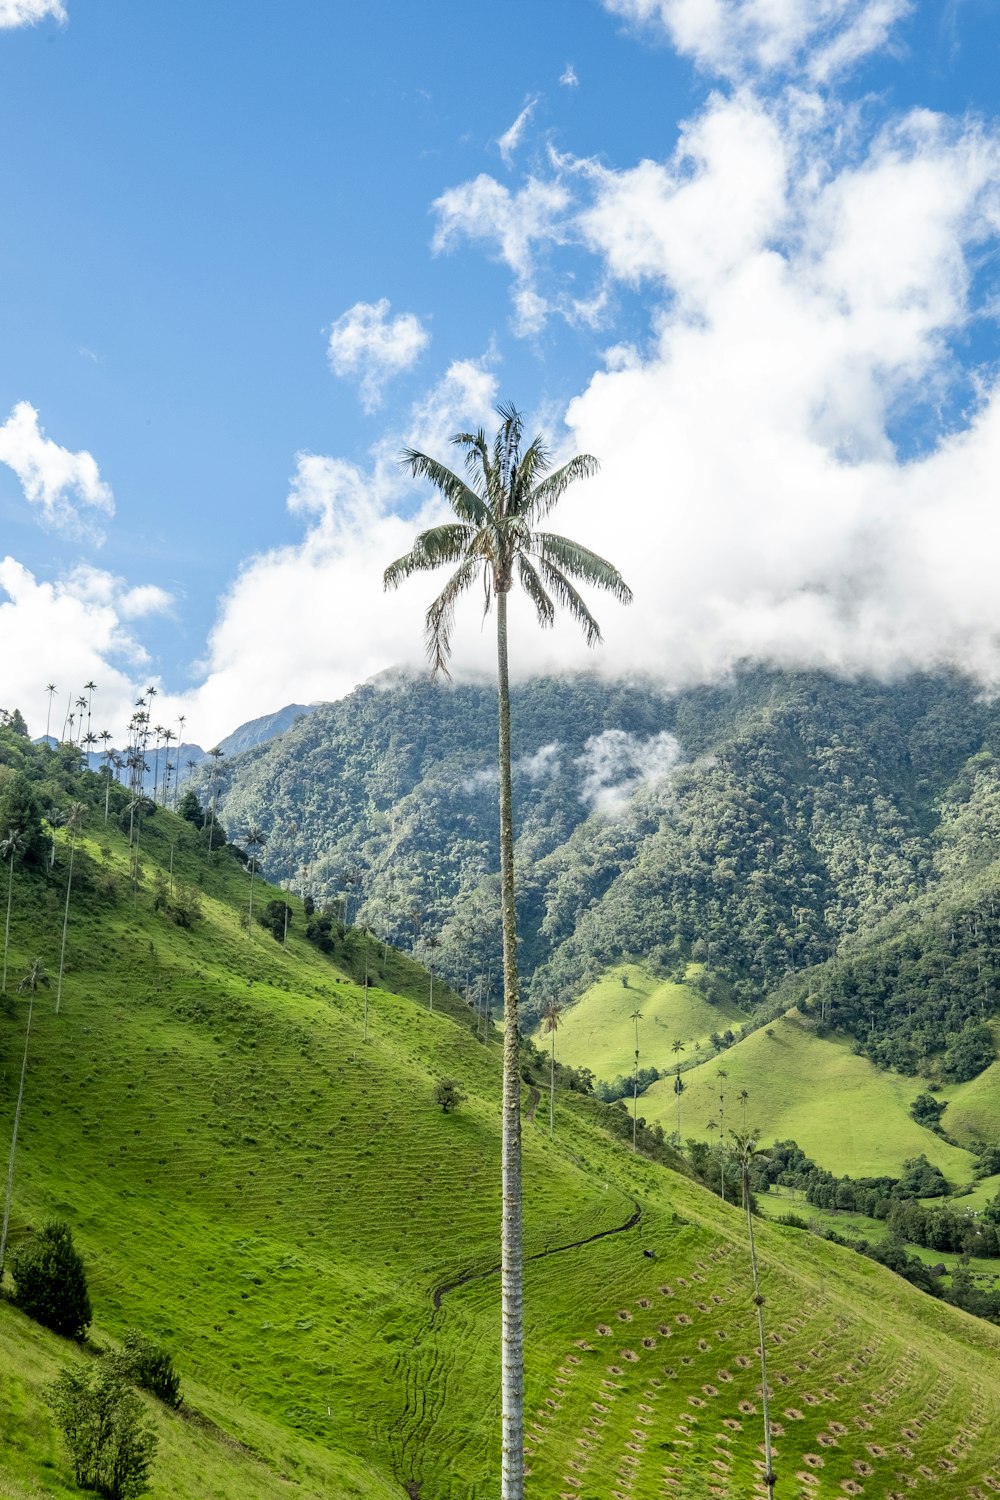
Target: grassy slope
pixel 277 1200
pixel 973 1111
pixel 844 1113
pixel 597 1032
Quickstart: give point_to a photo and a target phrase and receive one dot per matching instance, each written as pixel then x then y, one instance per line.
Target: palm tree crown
pixel 506 493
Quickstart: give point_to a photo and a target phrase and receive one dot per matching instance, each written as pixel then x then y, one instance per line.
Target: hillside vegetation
pixel 286 1208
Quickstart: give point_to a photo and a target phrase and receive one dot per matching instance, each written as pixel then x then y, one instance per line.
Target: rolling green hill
pixel 597 1031
pixel 282 1203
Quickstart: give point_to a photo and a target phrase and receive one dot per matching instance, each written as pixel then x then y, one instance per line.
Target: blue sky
pixel 242 263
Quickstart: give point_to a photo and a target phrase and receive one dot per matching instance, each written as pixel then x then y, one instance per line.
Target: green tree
pixel 51 1282
pixel 105 1427
pixel 505 495
pixel 448 1094
pixel 10 847
pixel 35 979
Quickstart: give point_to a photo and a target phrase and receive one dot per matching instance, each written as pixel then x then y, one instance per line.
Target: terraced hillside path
pixel 440 1292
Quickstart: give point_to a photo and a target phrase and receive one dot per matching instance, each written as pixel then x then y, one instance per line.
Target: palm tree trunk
pixel 13 1139
pixel 253 872
pixel 62 950
pixel 6 935
pixel 759 1304
pixel 552 1088
pixel 512 1322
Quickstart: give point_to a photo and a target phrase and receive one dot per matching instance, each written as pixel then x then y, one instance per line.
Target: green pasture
pixel 284 1206
pixel 846 1114
pixel 597 1031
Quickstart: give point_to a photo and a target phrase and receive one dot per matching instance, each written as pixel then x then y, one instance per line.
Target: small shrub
pixel 51 1282
pixel 448 1095
pixel 147 1364
pixel 103 1422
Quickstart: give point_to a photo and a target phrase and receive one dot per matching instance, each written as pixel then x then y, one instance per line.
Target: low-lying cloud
pixel 615 764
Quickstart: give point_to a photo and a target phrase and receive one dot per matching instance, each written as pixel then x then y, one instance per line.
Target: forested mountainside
pixel 758 826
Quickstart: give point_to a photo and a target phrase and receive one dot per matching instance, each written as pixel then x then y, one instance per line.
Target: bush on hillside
pixel 927 1111
pixel 51 1282
pixel 147 1364
pixel 276 917
pixel 104 1425
pixel 448 1095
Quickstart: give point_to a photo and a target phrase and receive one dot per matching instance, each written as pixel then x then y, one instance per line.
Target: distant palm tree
pixel 35 977
pixel 747 1152
pixel 55 819
pixel 744 1097
pixel 51 689
pixel 10 848
pixel 635 1018
pixel 90 688
pixel 506 493
pixel 551 1016
pixel 253 841
pixel 722 1075
pixel 74 822
pixel 217 754
pixel 82 705
pixel 678 1090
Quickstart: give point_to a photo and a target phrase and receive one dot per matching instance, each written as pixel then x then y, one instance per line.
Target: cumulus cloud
pixel 515 226
pixel 78 633
pixel 815 38
pixel 27 12
pixel 66 487
pixel 615 764
pixel 368 345
pixel 513 135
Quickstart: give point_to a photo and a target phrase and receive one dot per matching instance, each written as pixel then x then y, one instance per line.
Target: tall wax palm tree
pixel 635 1018
pixel 551 1017
pixel 722 1075
pixel 10 847
pixel 51 689
pixel 90 688
pixel 216 753
pixel 747 1152
pixel 505 494
pixel 678 1091
pixel 82 705
pixel 35 977
pixel 74 822
pixel 253 841
pixel 744 1098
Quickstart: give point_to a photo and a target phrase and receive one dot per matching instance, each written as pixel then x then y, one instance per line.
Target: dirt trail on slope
pixel 440 1292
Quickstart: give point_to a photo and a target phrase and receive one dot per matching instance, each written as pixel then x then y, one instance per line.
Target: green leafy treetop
pixel 50 1281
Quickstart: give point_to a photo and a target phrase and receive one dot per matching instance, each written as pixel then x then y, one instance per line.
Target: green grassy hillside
pixel 597 1031
pixel 846 1114
pixel 284 1206
pixel 973 1112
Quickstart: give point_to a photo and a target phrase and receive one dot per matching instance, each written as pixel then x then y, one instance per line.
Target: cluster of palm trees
pixel 495 540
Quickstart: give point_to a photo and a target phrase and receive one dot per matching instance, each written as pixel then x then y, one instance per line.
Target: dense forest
pixel 827 841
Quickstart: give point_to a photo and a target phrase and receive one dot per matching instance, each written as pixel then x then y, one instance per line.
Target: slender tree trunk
pixel 253 872
pixel 552 1088
pixel 431 1005
pixel 62 950
pixel 107 794
pixel 13 1140
pixel 759 1305
pixel 512 1322
pixel 366 989
pixel 6 935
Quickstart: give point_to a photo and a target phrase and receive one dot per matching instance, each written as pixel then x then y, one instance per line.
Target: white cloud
pixel 53 478
pixel 27 12
pixel 366 343
pixel 568 77
pixel 513 135
pixel 820 38
pixel 76 631
pixel 514 225
pixel 615 764
pixel 541 766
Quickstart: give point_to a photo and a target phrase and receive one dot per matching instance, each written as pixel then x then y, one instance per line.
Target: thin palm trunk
pixel 6 935
pixel 552 1087
pixel 62 950
pixel 13 1139
pixel 253 872
pixel 759 1305
pixel 512 1321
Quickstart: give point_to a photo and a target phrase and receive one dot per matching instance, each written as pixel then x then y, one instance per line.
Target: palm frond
pixel 580 562
pixel 534 462
pixel 466 504
pixel 441 544
pixel 477 461
pixel 545 495
pixel 571 600
pixel 440 618
pixel 507 447
pixel 532 585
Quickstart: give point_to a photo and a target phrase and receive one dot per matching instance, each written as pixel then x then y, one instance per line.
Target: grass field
pixel 847 1115
pixel 597 1031
pixel 973 1112
pixel 279 1201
